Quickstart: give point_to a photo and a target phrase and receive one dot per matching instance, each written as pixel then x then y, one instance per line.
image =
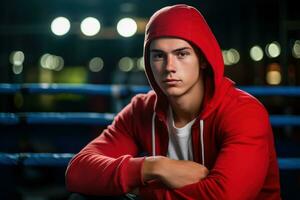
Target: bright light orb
pixel 256 53
pixel 60 26
pixel 127 27
pixel 90 26
pixel 273 50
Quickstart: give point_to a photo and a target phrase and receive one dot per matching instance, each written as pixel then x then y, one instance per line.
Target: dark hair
pixel 202 60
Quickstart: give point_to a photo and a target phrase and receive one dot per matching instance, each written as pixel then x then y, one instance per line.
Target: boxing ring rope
pixel 61 159
pixel 124 90
pixel 35 159
pixel 90 89
pixel 57 118
pixel 101 118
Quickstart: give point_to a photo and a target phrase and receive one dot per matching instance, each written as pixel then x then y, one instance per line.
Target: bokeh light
pixel 90 26
pixel 60 26
pixel 127 27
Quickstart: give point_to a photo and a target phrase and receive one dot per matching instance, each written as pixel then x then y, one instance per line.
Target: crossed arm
pixel 104 167
pixel 172 173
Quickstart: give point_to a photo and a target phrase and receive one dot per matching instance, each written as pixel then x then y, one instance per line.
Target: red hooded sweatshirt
pixel 232 135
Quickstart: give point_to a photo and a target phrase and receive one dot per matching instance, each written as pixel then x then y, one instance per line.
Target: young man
pixel 204 139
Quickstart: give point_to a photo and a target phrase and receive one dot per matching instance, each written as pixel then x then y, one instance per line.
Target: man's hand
pixel 173 173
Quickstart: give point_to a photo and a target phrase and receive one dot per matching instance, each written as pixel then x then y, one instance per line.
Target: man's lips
pixel 171 81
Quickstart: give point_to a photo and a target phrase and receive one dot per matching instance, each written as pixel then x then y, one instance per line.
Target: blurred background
pixel 101 42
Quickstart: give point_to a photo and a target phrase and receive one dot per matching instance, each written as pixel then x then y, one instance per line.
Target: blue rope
pixel 289 163
pixel 62 159
pixel 69 118
pixel 272 90
pixel 123 90
pixel 36 159
pixel 285 120
pixel 92 89
pixel 102 118
pixel 9 88
pixel 9 118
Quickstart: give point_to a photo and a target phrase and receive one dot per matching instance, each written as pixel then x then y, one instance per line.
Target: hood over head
pixel 185 22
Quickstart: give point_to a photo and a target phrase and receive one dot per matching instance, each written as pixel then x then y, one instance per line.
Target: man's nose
pixel 170 67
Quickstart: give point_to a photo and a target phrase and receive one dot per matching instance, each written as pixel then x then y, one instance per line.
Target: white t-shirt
pixel 180 144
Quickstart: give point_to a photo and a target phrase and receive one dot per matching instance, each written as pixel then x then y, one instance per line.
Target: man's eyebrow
pixel 181 49
pixel 175 50
pixel 156 50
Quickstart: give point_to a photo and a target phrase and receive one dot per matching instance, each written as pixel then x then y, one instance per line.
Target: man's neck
pixel 186 107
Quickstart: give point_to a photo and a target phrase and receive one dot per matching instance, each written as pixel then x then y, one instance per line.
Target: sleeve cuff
pixel 134 172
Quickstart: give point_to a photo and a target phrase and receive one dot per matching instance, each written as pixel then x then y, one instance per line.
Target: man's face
pixel 175 66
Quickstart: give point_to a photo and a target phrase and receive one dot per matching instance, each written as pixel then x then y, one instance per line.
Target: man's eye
pixel 157 56
pixel 182 54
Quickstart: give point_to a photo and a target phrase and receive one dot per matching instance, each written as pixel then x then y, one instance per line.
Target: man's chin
pixel 173 93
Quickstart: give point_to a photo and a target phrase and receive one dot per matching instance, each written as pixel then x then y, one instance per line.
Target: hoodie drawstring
pixel 201 138
pixel 153 135
pixel 202 141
